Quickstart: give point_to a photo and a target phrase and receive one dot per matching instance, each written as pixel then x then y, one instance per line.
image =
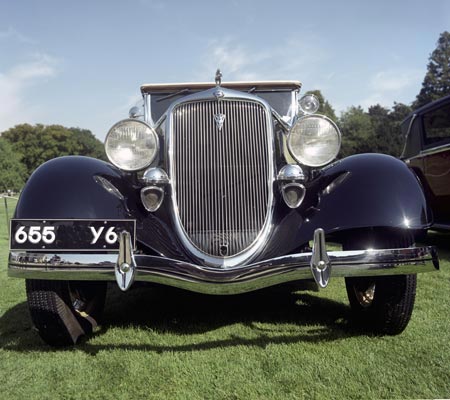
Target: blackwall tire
pixel 62 311
pixel 383 304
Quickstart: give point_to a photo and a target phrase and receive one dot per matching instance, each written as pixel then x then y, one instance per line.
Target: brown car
pixel 427 152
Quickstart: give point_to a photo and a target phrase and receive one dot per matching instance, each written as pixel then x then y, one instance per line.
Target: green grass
pixel 170 344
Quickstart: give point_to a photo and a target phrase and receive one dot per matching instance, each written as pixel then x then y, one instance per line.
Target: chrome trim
pixel 160 192
pixel 108 186
pixel 285 126
pixel 218 78
pixel 413 118
pixel 435 150
pixel 304 99
pixel 294 106
pixel 155 176
pixel 252 250
pixel 148 110
pixel 136 112
pixel 152 130
pixel 306 117
pixel 291 172
pixel 320 262
pixel 335 183
pixel 125 269
pixel 439 226
pixel 219 119
pixel 429 152
pixel 285 186
pixel 218 94
pixel 238 85
pixel 234 280
pixel 408 131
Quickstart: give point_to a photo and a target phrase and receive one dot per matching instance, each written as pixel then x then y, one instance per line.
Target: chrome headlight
pixel 309 104
pixel 131 145
pixel 314 140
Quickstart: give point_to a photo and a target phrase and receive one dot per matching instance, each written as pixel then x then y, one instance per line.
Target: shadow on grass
pixel 272 316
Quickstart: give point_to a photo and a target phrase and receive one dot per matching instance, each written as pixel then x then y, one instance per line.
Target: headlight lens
pixel 314 140
pixel 131 145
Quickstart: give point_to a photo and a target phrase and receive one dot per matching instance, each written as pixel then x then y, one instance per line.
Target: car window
pixel 437 125
pixel 281 101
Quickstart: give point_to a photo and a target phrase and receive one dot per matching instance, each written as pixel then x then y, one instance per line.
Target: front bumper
pixel 128 267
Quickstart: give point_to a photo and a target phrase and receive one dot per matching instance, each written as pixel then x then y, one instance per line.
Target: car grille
pixel 222 173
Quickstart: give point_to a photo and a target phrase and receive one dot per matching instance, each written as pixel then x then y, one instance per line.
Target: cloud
pixel 13 34
pixel 235 60
pixel 388 86
pixel 387 81
pixel 291 59
pixel 13 89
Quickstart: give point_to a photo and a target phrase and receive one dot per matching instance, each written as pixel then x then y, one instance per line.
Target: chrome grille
pixel 222 173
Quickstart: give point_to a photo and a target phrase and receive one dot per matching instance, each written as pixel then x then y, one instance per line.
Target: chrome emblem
pixel 219 119
pixel 218 94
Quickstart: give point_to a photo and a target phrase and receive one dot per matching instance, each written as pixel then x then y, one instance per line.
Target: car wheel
pixel 382 304
pixel 63 311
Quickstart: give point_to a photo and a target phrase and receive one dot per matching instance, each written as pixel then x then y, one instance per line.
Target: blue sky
pixel 80 63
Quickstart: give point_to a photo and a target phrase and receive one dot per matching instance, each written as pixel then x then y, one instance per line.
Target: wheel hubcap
pixel 365 296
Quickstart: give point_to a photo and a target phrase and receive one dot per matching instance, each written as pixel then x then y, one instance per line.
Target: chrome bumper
pixel 318 264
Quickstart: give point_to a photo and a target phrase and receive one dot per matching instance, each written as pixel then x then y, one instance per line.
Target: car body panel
pixel 366 191
pixel 427 153
pixel 359 187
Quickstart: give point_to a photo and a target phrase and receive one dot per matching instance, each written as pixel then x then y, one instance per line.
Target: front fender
pixel 77 187
pixel 368 190
pixel 71 187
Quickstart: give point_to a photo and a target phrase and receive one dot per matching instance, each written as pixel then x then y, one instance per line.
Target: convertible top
pixel 198 86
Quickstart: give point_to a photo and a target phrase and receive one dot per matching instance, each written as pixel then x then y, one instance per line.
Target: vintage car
pixel 219 188
pixel 427 152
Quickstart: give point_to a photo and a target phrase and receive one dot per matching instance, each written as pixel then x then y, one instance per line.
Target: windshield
pixel 280 101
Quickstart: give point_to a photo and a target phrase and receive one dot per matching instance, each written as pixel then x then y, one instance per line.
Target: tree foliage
pixel 12 170
pixel 436 83
pixel 36 144
pixel 375 131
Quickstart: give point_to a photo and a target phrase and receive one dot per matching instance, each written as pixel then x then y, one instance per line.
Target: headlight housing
pixel 131 145
pixel 309 104
pixel 314 140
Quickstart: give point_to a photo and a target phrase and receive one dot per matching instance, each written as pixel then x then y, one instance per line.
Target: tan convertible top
pixel 197 86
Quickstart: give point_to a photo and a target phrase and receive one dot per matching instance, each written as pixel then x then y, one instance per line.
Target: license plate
pixel 69 235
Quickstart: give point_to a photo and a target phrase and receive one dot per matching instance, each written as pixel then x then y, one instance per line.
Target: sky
pixel 81 63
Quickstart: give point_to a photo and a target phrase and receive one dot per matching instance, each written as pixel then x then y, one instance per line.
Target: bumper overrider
pixel 127 267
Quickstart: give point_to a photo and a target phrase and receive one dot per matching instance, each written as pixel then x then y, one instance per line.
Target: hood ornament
pixel 218 77
pixel 218 93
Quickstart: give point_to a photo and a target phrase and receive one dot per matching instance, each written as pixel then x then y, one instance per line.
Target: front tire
pixel 382 304
pixel 63 311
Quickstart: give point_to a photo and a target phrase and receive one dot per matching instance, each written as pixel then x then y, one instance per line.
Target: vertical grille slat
pixel 222 176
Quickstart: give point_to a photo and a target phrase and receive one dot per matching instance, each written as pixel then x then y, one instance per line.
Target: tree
pixel 375 131
pixel 436 83
pixel 12 171
pixel 357 132
pixel 87 144
pixel 39 143
pixel 386 126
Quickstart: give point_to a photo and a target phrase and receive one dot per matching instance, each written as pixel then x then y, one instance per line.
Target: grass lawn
pixel 170 344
